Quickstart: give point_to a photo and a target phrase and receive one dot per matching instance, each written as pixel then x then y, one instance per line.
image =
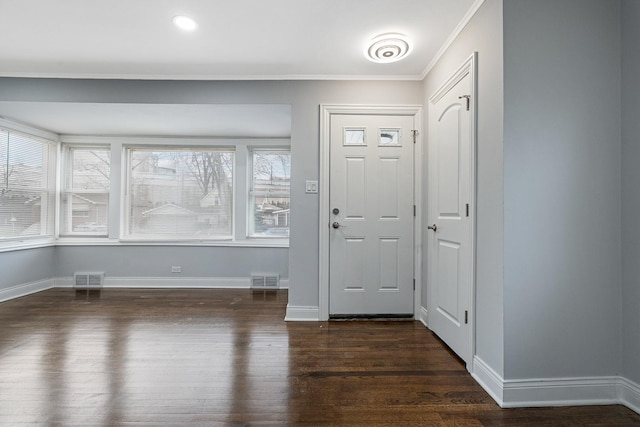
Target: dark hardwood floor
pixel 227 358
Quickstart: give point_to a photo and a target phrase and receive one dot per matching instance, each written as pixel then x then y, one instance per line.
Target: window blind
pixel 27 185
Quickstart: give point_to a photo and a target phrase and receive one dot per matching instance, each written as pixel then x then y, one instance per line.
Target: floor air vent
pixel 265 281
pixel 88 280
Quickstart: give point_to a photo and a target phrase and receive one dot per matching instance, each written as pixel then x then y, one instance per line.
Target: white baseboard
pixel 26 289
pixel 608 390
pixel 560 392
pixel 629 394
pixel 423 317
pixel 489 379
pixel 302 314
pixel 172 282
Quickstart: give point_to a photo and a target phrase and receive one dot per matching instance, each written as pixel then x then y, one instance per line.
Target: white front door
pixel 450 211
pixel 371 215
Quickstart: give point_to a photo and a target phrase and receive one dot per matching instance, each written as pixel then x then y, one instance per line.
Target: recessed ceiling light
pixel 185 23
pixel 390 47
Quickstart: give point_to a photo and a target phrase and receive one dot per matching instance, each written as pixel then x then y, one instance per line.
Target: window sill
pixel 248 243
pixel 19 245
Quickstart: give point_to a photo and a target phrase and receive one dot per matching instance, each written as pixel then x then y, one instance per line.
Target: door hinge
pixel 467 209
pixel 414 210
pixel 466 317
pixel 414 284
pixel 414 133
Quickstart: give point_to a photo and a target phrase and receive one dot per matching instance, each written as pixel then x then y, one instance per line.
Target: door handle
pixel 336 224
pixel 433 227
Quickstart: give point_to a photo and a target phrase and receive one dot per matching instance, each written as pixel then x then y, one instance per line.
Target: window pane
pixel 85 213
pixel 354 137
pixel 90 168
pixel 270 196
pixel 180 194
pixel 25 213
pixel 26 186
pixel 390 137
pixel 85 203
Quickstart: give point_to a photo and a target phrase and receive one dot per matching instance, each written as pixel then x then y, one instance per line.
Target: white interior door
pixel 372 215
pixel 450 211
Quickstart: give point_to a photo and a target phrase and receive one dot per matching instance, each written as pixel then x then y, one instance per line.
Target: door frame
pixel 326 111
pixel 470 66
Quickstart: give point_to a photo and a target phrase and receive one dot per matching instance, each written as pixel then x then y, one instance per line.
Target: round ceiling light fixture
pixel 389 47
pixel 185 23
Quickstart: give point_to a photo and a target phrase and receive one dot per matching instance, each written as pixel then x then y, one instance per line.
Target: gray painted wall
pixel 484 35
pixel 630 13
pixel 25 266
pixel 562 188
pixel 304 97
pixel 156 261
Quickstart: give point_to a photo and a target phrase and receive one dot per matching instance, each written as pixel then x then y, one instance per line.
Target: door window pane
pixel 354 137
pixel 389 137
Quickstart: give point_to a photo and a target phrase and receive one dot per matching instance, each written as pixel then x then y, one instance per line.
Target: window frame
pixel 66 174
pixel 251 192
pixel 48 209
pixel 125 196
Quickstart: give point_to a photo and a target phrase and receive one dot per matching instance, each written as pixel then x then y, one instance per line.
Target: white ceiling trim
pixel 456 32
pixel 212 77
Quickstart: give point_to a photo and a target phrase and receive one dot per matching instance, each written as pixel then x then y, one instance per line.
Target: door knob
pixel 336 224
pixel 433 227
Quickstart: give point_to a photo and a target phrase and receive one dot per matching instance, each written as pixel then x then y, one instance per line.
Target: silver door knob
pixel 433 227
pixel 336 225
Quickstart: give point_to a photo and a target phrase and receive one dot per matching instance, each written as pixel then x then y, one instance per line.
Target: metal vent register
pixel 89 280
pixel 265 281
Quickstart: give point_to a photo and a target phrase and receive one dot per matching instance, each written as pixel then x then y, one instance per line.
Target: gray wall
pixel 484 35
pixel 156 261
pixel 562 188
pixel 630 191
pixel 304 97
pixel 25 266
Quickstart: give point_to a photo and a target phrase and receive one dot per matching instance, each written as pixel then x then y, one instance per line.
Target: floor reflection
pixel 227 358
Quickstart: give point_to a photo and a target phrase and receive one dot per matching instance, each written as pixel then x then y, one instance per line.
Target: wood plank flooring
pixel 227 358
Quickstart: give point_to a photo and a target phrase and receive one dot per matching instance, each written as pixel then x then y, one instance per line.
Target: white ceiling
pixel 239 39
pixel 236 39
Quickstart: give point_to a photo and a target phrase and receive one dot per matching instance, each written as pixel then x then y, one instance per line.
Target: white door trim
pixel 469 66
pixel 326 110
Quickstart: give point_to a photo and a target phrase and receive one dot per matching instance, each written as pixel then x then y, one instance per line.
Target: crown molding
pixel 456 32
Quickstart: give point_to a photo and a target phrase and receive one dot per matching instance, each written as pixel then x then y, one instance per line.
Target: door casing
pixel 326 110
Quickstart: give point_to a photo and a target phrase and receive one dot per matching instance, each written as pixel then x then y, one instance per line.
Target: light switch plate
pixel 311 187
